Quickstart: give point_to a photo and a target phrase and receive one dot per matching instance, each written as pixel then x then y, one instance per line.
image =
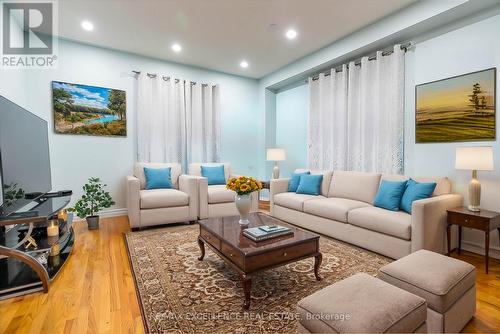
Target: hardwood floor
pixel 95 291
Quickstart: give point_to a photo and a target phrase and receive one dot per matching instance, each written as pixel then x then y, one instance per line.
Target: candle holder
pixel 53 228
pixel 62 215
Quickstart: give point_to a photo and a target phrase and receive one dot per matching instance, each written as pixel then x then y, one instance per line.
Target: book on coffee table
pixel 260 233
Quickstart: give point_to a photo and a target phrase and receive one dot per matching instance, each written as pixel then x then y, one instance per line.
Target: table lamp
pixel 275 154
pixel 474 158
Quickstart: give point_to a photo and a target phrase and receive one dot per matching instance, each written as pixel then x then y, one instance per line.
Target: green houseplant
pixel 93 200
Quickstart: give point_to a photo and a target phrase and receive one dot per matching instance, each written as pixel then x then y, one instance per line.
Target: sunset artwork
pixel 456 109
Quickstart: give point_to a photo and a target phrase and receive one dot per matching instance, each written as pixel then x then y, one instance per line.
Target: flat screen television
pixel 24 158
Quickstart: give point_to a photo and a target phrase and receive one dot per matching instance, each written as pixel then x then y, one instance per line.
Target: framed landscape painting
pixel 89 110
pixel 460 108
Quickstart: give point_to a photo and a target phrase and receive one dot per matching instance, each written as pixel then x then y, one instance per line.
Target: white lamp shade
pixel 275 154
pixel 474 158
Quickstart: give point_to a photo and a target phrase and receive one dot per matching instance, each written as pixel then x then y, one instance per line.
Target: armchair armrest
pixel 428 222
pixel 189 185
pixel 133 201
pixel 202 197
pixel 277 186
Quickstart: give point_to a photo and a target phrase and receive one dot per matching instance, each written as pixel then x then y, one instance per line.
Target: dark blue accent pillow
pixel 310 184
pixel 158 178
pixel 294 181
pixel 389 195
pixel 415 191
pixel 214 174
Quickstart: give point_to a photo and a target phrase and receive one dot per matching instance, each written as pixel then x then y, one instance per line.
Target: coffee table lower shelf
pixel 248 266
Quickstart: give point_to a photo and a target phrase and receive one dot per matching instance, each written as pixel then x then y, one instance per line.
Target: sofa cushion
pixel 443 184
pixel 220 194
pixel 389 195
pixel 415 191
pixel 310 184
pixel 158 178
pixel 163 198
pixel 195 168
pixel 293 200
pixel 295 180
pixel 439 279
pixel 332 208
pixel 214 174
pixel 175 172
pixel 371 305
pixel 327 177
pixel 395 223
pixel 354 185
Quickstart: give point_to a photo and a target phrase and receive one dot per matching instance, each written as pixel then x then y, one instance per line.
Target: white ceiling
pixel 218 34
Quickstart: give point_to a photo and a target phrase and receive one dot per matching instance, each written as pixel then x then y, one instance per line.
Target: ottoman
pixel 447 284
pixel 361 304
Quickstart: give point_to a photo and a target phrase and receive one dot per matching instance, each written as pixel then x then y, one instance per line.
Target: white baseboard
pixel 479 249
pixel 108 213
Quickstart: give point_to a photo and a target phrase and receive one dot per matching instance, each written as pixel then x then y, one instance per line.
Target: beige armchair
pixel 161 206
pixel 216 200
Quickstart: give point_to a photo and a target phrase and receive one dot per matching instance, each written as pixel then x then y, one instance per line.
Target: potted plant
pixel 243 186
pixel 93 200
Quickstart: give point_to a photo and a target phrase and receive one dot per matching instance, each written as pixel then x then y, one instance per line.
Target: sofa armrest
pixel 133 201
pixel 276 186
pixel 202 197
pixel 189 185
pixel 428 222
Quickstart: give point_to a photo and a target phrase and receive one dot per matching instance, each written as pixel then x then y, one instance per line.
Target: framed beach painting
pixel 89 110
pixel 460 108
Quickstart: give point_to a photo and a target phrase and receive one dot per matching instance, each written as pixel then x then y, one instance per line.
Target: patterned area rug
pixel 179 294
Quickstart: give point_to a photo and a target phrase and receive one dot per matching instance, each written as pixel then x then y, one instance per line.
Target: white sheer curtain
pixel 177 121
pixel 356 116
pixel 328 121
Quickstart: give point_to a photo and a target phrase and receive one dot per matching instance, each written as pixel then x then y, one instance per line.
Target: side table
pixel 483 220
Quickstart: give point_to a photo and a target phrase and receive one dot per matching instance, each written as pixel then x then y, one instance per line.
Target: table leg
pixel 448 238
pixel 202 249
pixel 247 289
pixel 459 239
pixel 317 262
pixel 486 249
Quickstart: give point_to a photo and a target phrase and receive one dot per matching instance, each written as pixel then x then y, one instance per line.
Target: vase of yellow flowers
pixel 243 186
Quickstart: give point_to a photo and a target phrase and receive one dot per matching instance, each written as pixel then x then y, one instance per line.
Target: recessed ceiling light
pixel 291 34
pixel 176 47
pixel 87 25
pixel 244 64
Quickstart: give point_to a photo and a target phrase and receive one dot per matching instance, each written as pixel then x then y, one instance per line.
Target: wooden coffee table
pixel 224 236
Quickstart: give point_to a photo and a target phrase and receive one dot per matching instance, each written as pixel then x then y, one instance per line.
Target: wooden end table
pixel 224 236
pixel 483 220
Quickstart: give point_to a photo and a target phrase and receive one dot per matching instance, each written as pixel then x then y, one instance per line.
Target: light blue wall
pixel 291 127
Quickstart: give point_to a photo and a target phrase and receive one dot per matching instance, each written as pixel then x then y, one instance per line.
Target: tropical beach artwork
pixel 89 110
pixel 461 108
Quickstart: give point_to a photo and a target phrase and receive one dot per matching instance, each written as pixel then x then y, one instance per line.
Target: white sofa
pixel 161 206
pixel 344 210
pixel 216 200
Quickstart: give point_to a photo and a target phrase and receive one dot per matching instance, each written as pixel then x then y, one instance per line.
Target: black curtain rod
pixel 154 75
pixel 357 62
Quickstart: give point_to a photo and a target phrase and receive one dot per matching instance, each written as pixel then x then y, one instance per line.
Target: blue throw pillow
pixel 310 184
pixel 415 191
pixel 158 178
pixel 389 195
pixel 294 181
pixel 214 175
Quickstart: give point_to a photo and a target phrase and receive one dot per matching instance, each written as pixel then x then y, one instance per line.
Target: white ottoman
pixel 362 304
pixel 447 284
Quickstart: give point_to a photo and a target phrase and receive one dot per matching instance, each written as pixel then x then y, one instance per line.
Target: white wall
pixel 291 127
pixel 74 158
pixel 472 48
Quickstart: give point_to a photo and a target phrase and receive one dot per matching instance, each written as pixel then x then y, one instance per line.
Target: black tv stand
pixel 28 269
